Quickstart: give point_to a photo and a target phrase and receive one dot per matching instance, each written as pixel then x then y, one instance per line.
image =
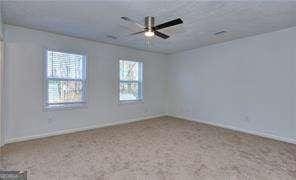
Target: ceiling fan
pixel 149 29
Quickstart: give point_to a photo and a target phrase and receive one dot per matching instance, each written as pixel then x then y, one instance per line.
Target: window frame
pixel 67 105
pixel 141 100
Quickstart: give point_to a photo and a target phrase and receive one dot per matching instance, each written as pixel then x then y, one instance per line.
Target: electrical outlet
pixel 189 110
pixel 247 119
pixel 50 120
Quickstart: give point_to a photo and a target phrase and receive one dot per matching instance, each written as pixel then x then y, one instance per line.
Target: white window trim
pixel 123 102
pixel 68 105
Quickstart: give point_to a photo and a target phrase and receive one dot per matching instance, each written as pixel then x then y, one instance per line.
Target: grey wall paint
pixel 293 67
pixel 1 79
pixel 248 84
pixel 1 22
pixel 24 84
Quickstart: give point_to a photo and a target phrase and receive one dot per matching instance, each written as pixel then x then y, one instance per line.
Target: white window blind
pixel 130 80
pixel 65 79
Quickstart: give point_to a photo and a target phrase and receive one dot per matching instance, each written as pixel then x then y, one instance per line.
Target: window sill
pixel 127 102
pixel 81 105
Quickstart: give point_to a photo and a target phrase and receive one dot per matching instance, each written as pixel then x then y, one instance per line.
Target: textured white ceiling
pixel 96 20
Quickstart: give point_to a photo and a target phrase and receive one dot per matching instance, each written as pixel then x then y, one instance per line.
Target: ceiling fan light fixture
pixel 149 33
pixel 150 30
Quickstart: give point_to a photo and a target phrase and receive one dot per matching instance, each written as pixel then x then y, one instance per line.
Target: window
pixel 130 81
pixel 65 79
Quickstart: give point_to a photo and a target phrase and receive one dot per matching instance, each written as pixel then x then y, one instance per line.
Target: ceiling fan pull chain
pixel 148 42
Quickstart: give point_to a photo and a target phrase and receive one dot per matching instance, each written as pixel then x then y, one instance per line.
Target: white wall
pixel 2 129
pixel 1 78
pixel 1 22
pixel 24 58
pixel 247 84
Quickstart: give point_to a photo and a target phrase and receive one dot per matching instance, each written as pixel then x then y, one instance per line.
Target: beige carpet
pixel 163 148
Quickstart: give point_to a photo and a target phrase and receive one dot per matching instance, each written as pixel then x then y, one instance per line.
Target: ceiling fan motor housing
pixel 149 22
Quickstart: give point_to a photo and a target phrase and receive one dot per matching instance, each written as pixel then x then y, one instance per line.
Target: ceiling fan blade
pixel 138 32
pixel 159 34
pixel 169 23
pixel 133 21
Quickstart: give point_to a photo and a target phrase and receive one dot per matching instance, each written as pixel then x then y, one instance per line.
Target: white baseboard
pixel 68 131
pixel 257 133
